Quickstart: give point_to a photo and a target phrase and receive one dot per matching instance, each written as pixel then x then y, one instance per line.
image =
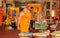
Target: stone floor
pixel 8 34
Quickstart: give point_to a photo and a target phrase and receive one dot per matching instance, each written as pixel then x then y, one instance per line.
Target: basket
pixel 40 35
pixel 56 34
pixel 25 35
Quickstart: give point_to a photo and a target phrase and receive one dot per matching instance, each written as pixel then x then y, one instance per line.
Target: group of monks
pixel 23 21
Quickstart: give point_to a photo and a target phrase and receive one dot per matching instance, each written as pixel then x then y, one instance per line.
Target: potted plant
pixel 7 23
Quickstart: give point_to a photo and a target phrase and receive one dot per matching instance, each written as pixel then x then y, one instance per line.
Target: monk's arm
pixel 21 14
pixel 29 17
pixel 19 19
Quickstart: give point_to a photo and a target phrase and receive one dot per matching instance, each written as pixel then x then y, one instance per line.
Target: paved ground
pixel 14 33
pixel 8 34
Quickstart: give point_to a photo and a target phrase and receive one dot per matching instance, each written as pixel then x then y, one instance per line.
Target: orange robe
pixel 1 16
pixel 1 20
pixel 24 22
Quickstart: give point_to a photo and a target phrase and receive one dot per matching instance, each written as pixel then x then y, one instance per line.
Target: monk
pixel 1 16
pixel 24 20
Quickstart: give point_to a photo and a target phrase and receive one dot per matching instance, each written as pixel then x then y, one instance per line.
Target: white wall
pixel 9 1
pixel 0 3
pixel 31 0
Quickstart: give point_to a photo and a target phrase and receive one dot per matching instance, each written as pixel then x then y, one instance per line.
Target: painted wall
pixel 30 0
pixel 0 3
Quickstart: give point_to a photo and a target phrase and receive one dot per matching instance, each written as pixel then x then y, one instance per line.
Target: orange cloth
pixel 1 20
pixel 24 22
pixel 1 16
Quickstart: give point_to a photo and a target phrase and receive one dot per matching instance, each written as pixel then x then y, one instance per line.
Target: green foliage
pixel 42 26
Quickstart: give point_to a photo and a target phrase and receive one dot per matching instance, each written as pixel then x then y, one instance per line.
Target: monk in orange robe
pixel 24 20
pixel 1 16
